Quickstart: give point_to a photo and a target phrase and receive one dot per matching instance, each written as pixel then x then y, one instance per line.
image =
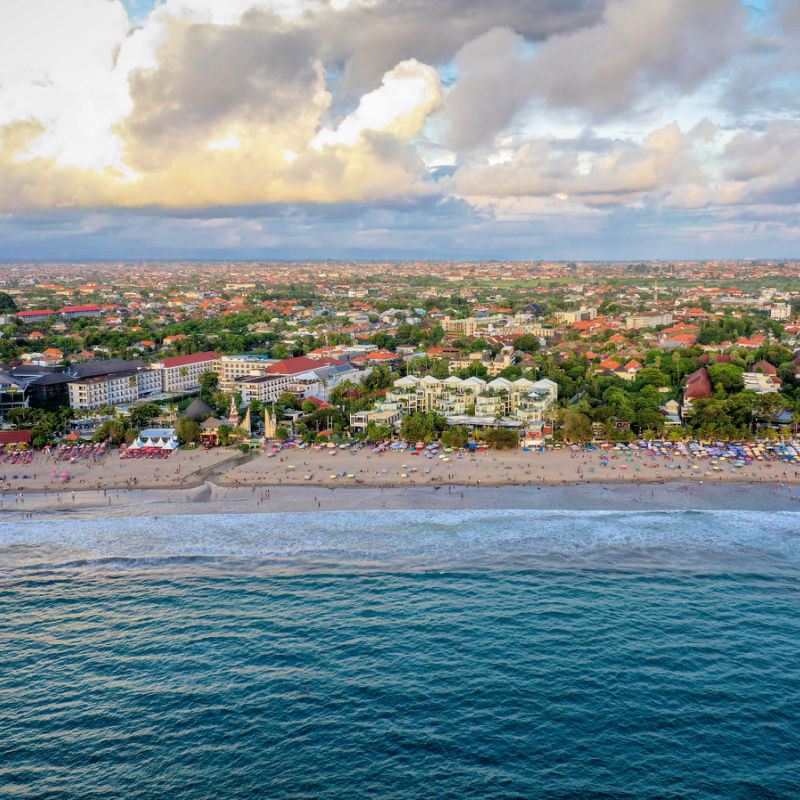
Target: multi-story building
pixel 182 373
pixel 579 315
pixel 35 316
pixel 265 388
pixel 461 327
pixel 360 420
pixel 524 401
pixel 70 312
pixel 111 382
pixel 761 382
pixel 13 393
pixel 315 377
pixel 229 368
pixel 780 311
pixel 648 320
pixel 103 390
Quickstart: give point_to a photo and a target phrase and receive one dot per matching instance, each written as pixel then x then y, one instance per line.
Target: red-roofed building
pixel 698 387
pixel 376 357
pixel 35 316
pixel 300 364
pixel 91 310
pixel 182 373
pixel 15 437
pixel 765 367
pixel 317 402
pixel 753 343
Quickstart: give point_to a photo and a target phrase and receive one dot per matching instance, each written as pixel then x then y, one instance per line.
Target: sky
pixel 399 129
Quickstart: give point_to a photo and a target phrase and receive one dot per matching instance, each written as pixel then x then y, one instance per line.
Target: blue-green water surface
pixel 395 655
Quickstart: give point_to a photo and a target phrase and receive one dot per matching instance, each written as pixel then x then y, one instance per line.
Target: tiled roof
pixel 194 358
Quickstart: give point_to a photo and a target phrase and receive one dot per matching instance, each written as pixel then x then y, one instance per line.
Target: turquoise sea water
pixel 401 655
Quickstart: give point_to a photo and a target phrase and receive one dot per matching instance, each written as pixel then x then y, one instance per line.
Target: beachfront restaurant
pixel 159 438
pixel 484 422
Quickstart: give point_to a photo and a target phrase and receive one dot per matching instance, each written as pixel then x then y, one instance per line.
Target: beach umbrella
pixel 333 477
pixel 351 476
pixel 403 475
pixel 291 466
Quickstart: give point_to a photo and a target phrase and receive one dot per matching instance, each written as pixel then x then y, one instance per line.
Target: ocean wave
pixel 409 541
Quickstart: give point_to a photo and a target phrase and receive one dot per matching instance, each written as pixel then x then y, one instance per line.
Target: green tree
pixel 577 427
pixel 651 376
pixel 728 376
pixel 224 435
pixel 282 433
pixel 769 407
pixel 502 438
pixel 421 426
pixel 209 383
pixel 528 343
pixel 42 434
pixel 457 436
pixel 378 433
pixel 113 429
pixel 289 400
pixel 7 304
pixel 140 416
pixel 188 430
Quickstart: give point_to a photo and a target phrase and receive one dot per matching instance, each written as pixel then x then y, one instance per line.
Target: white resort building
pixel 474 402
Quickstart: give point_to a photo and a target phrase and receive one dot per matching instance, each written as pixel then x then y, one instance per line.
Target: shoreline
pixel 214 499
pixel 222 481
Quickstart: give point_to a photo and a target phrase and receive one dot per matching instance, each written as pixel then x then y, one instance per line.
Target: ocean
pixel 402 654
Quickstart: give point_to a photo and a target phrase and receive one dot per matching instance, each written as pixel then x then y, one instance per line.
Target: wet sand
pixel 214 499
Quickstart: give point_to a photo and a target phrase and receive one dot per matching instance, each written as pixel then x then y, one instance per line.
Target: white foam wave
pixel 397 540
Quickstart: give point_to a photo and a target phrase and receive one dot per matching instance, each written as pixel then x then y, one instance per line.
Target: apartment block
pixel 182 373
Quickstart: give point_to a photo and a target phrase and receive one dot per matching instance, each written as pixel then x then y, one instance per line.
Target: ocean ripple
pixel 469 655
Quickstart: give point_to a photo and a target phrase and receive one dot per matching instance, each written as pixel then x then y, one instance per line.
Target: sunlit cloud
pixel 518 109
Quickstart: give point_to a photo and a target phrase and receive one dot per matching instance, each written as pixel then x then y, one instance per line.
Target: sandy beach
pixel 490 468
pixel 326 468
pixel 223 481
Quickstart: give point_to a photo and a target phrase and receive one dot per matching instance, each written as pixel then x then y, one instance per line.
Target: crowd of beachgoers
pixel 91 467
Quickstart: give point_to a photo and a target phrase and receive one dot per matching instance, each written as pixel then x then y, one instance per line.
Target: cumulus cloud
pixel 764 166
pixel 636 52
pixel 232 102
pixel 597 171
pixel 259 75
pixel 227 113
pixel 57 67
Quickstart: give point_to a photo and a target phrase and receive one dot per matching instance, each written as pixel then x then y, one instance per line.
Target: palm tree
pixel 795 419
